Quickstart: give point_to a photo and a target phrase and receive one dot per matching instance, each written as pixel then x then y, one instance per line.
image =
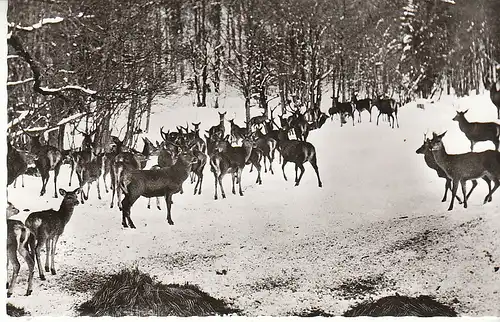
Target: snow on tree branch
pixel 20 82
pixel 38 25
pixel 15 42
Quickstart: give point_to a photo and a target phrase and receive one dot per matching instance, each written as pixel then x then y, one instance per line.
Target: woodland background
pixel 91 59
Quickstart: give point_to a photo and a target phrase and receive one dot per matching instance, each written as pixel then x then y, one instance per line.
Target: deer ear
pixel 62 192
pixel 441 135
pixel 464 113
pixel 77 190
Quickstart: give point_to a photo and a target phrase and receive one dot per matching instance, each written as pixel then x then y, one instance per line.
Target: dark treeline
pixel 129 52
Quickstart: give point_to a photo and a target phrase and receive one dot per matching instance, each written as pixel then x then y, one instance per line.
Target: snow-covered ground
pixel 378 217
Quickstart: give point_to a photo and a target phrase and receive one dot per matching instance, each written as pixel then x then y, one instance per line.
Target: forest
pixel 90 59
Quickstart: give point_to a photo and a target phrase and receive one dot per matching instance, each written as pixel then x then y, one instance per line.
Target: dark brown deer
pixel 91 172
pixel 495 96
pixel 237 132
pixel 198 168
pixel 155 183
pixel 227 159
pixel 478 132
pixel 343 109
pixel 48 226
pixel 48 158
pixel 388 107
pixel 16 164
pixel 219 129
pixel 426 150
pixel 362 105
pixel 257 120
pixel 267 145
pixel 17 242
pixel 467 166
pixel 298 152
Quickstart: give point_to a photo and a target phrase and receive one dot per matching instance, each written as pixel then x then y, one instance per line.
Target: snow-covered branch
pixel 21 116
pixel 38 25
pixel 68 87
pixel 20 82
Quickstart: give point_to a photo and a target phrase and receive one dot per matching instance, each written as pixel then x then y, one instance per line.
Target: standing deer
pixel 362 105
pixel 237 132
pixel 494 95
pixel 17 242
pixel 48 226
pixel 298 152
pixel 343 109
pixel 478 132
pixel 219 129
pixel 387 106
pixel 426 150
pixel 467 166
pixel 155 183
pixel 48 158
pixel 16 164
pixel 227 159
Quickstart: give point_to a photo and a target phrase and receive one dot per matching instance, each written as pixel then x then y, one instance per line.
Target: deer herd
pixel 185 153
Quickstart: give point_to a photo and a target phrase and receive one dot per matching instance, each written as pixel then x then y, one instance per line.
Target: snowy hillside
pixel 378 220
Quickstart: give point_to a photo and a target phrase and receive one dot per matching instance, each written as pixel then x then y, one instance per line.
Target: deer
pixel 47 158
pixel 298 152
pixel 478 132
pixel 197 169
pixel 462 167
pixel 218 130
pixel 155 183
pixel 16 164
pixel 494 95
pixel 343 109
pixel 426 150
pixel 257 120
pixel 47 226
pixel 362 105
pixel 91 172
pixel 267 144
pixel 17 242
pixel 83 156
pixel 237 132
pixel 223 146
pixel 387 106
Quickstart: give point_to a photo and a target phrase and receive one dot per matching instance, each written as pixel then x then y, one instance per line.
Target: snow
pixel 37 25
pixel 378 195
pixel 86 90
pixel 20 81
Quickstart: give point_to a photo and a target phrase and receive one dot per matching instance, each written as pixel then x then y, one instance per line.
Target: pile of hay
pixel 422 306
pixel 15 311
pixel 131 292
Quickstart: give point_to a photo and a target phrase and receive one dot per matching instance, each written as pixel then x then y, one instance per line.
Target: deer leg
pixel 158 203
pixel 88 190
pixel 38 248
pixel 474 184
pixel 56 174
pixel 31 268
pixel 302 170
pixel 283 168
pixel 12 257
pixel 378 116
pixel 296 173
pixel 98 189
pixel 265 165
pixel 251 168
pixel 240 170
pixel 215 185
pixel 259 168
pixel 72 164
pixel 397 122
pixel 22 179
pixel 15 182
pixel 488 197
pixel 126 206
pixel 45 179
pixel 464 192
pixel 314 164
pixel 168 200
pixel 471 146
pixel 495 187
pixel 200 178
pixel 48 249
pixel 454 193
pixel 53 254
pixel 233 177
pixel 149 203
pixel 223 194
